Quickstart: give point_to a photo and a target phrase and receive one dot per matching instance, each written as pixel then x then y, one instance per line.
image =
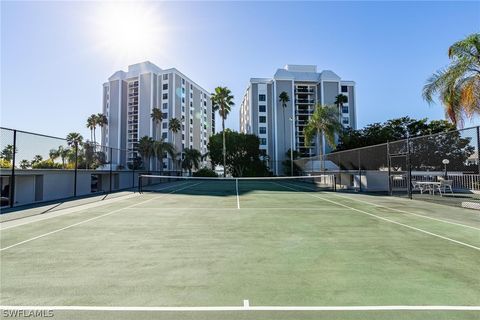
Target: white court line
pixel 407 212
pixel 248 308
pixel 398 210
pixel 85 221
pixel 385 219
pixel 238 197
pixel 246 303
pixel 75 209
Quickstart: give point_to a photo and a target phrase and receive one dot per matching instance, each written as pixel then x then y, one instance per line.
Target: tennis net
pixel 218 186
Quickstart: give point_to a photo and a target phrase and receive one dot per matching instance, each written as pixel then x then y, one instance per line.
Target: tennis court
pixel 244 249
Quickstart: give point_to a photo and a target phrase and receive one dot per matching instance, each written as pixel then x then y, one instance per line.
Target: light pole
pixel 445 162
pixel 291 147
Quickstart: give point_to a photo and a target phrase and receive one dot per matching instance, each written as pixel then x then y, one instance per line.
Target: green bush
pixel 205 172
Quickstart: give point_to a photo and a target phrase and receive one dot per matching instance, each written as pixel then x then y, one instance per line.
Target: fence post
pixel 409 171
pixel 111 163
pixel 75 171
pixel 478 149
pixel 12 177
pixel 389 165
pixel 359 171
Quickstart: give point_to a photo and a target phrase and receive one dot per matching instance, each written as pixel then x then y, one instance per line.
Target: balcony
pixel 304 90
pixel 305 101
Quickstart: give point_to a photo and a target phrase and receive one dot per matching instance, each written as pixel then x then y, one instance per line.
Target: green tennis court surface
pixel 273 249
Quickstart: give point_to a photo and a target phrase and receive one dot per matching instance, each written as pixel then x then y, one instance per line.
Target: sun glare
pixel 127 30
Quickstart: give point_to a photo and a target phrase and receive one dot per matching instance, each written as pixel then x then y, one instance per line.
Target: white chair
pixel 444 186
pixel 418 186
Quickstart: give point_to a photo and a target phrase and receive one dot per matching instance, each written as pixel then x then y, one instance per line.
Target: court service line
pixel 389 220
pixel 238 197
pixel 411 213
pixel 399 210
pixel 247 307
pixel 75 209
pixel 85 221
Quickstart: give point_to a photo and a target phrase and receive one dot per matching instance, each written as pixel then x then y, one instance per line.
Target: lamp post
pixel 445 162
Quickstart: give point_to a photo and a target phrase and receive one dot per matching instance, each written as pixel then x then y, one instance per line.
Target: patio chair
pixel 444 186
pixel 419 187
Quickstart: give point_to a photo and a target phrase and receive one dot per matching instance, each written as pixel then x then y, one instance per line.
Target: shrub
pixel 205 172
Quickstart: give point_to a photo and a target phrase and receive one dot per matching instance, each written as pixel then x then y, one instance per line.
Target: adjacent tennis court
pixel 267 248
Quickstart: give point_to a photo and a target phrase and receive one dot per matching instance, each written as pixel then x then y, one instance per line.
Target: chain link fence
pixel 37 168
pixel 441 167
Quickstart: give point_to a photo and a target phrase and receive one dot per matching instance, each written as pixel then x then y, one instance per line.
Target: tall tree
pixel 24 164
pixel 145 149
pixel 92 125
pixel 161 149
pixel 323 123
pixel 174 126
pixel 157 117
pixel 102 121
pixel 284 99
pixel 458 85
pixel 340 99
pixel 191 160
pixel 63 154
pixel 222 100
pixel 53 154
pixel 74 140
pixel 7 153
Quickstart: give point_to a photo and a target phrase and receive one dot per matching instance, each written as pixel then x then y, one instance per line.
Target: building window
pixel 165 106
pixel 164 115
pixel 183 81
pixel 164 135
pixel 191 121
pixel 183 136
pixel 261 97
pixel 344 89
pixel 164 125
pixel 344 109
pixel 262 119
pixel 183 90
pixel 262 108
pixel 165 86
pixel 262 130
pixel 165 77
pixel 263 141
pixel 183 99
pixel 165 96
pixel 345 120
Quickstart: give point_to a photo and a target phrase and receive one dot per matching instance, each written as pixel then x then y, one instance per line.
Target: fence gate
pixel 399 172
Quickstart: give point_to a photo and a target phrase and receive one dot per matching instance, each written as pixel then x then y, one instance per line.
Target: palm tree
pixel 102 121
pixel 36 159
pixel 24 164
pixel 284 99
pixel 53 154
pixel 74 139
pixel 458 85
pixel 161 148
pixel 145 149
pixel 92 125
pixel 340 100
pixel 323 123
pixel 222 101
pixel 63 154
pixel 7 153
pixel 174 126
pixel 191 160
pixel 157 117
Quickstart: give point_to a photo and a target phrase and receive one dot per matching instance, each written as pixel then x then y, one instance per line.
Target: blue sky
pixel 54 59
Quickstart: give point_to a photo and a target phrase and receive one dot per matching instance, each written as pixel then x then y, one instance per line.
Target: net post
pixel 359 171
pixel 12 178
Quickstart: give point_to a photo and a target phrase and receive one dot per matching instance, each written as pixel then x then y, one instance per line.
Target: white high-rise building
pixel 129 98
pixel 279 128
